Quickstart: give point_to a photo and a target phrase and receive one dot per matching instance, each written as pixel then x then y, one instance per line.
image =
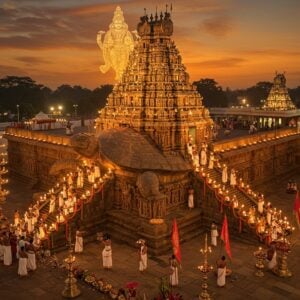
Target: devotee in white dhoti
pixel 61 200
pixel 107 253
pixel 79 242
pixel 42 233
pixel 23 257
pixel 30 250
pixel 97 172
pixel 203 156
pixel 190 149
pixel 70 179
pixel 221 272
pixel 269 215
pixel 260 204
pixel 52 204
pixel 232 177
pixel 214 234
pixel 211 161
pixel 16 217
pixel 7 255
pixel 191 198
pixel 143 256
pixel 174 280
pixel 224 174
pixel 272 257
pixel 80 179
pixel 196 160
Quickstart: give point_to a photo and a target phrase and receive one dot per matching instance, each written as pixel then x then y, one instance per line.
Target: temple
pixel 154 96
pixel 136 172
pixel 279 98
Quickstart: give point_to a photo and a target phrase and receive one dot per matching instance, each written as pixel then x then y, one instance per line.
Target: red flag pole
pixel 176 241
pixel 225 237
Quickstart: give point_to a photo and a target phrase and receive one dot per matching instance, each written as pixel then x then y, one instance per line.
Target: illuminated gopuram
pixel 143 133
pixel 154 95
pixel 279 98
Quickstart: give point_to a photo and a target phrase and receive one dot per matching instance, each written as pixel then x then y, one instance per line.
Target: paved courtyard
pixel 47 283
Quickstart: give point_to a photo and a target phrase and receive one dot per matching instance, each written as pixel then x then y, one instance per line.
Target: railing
pixel 38 136
pixel 248 140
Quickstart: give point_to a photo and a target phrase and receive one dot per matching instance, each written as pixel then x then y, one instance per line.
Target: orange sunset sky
pixel 236 42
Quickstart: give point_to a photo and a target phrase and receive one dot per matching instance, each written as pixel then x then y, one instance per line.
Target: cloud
pixel 29 60
pixel 9 70
pixel 271 52
pixel 231 62
pixel 218 26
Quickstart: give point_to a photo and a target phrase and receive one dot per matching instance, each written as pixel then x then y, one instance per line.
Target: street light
pixel 75 109
pixel 18 112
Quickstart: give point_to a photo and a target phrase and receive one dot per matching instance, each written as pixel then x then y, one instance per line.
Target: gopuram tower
pixel 154 96
pixel 279 98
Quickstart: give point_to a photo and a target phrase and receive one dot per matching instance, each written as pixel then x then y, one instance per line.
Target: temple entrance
pixel 192 133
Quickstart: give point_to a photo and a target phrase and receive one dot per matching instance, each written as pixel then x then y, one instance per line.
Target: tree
pixel 213 94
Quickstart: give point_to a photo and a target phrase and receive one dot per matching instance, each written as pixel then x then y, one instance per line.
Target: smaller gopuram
pixel 279 98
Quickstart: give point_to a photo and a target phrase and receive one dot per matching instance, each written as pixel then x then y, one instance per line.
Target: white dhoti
pixel 221 280
pixel 29 225
pixel 31 262
pixel 78 244
pixel 143 262
pixel 214 236
pixel 17 221
pixel 107 257
pixel 232 180
pixel 52 207
pixel 191 201
pixel 211 163
pixel 269 218
pixel 7 258
pixel 203 158
pixel 22 270
pixel 97 172
pixel 273 262
pixel 260 207
pixel 174 276
pixel 224 176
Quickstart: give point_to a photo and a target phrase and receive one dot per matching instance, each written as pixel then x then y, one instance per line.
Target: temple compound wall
pixel 261 157
pixel 256 158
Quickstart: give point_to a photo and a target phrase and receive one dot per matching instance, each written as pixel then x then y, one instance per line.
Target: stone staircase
pixel 57 239
pixel 128 229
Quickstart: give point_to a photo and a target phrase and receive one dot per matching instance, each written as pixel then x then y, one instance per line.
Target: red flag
pixel 297 207
pixel 175 241
pixel 225 237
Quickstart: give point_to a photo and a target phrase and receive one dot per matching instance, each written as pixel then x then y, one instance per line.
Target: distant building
pixel 279 98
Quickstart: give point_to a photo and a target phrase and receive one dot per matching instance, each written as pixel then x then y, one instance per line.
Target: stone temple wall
pixel 33 159
pixel 262 162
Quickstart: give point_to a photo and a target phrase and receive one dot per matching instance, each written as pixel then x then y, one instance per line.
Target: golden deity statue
pixel 116 46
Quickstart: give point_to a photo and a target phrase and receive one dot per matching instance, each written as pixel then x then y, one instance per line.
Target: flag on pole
pixel 225 237
pixel 297 208
pixel 175 241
